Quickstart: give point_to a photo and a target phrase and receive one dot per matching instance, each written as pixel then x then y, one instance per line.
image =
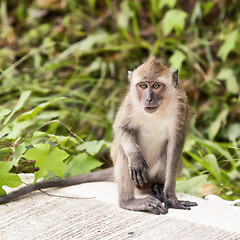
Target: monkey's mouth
pixel 151 109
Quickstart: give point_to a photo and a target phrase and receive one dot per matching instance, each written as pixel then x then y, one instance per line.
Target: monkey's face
pixel 151 84
pixel 150 95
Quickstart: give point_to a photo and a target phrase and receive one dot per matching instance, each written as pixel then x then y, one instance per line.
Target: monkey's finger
pixel 157 205
pixel 188 203
pixel 180 205
pixel 135 178
pixel 153 210
pixel 143 175
pixel 139 178
pixel 145 163
pixel 157 208
pixel 161 209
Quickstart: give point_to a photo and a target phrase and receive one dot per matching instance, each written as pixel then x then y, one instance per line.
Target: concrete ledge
pixel 90 211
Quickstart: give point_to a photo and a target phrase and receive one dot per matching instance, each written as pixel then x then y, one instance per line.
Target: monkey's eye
pixel 156 85
pixel 143 85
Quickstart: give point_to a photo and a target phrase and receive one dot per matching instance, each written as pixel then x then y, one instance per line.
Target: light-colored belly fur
pixel 152 139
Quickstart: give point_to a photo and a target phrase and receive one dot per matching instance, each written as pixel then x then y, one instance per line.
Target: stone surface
pixel 90 211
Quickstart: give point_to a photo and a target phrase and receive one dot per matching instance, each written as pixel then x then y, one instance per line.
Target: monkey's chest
pixel 152 141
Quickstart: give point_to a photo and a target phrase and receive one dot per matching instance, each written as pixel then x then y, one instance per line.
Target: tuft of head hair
pixel 152 69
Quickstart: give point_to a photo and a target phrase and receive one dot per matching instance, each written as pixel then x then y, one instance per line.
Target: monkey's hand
pixel 137 170
pixel 172 202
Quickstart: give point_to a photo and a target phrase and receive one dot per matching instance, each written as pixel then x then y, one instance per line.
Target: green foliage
pixel 23 98
pixel 216 124
pixel 229 45
pixel 6 178
pixel 215 159
pixel 64 72
pixel 191 186
pixel 233 132
pixel 19 150
pixel 176 60
pixel 4 112
pixel 174 19
pixel 40 148
pixel 82 163
pixel 32 113
pixel 227 75
pixel 93 147
pixel 47 160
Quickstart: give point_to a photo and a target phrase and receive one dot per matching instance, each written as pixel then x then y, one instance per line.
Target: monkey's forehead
pixel 153 65
pixel 152 69
pixel 151 77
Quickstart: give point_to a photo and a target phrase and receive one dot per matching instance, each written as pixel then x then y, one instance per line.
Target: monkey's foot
pixel 149 204
pixel 174 203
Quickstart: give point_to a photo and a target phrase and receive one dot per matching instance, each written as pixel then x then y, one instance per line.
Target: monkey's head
pixel 152 83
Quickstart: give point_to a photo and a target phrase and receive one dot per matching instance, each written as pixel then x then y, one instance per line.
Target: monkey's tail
pixel 101 175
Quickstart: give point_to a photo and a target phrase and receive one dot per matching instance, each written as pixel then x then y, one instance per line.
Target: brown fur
pixel 152 69
pixel 150 129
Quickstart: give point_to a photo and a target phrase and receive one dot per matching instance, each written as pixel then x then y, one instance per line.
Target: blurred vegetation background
pixel 64 70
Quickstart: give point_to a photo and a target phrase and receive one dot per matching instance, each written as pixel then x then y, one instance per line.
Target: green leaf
pixel 54 137
pixel 211 164
pixel 124 15
pixel 17 129
pixel 23 98
pixel 196 14
pixel 93 147
pixel 227 75
pixel 96 38
pixel 229 45
pixel 83 163
pixel 7 179
pixel 177 59
pixel 47 160
pixel 215 126
pixel 207 7
pixel 4 112
pixel 173 19
pixel 195 157
pixel 19 150
pixel 215 148
pixel 169 3
pixel 192 185
pixel 190 142
pixel 233 131
pixel 32 113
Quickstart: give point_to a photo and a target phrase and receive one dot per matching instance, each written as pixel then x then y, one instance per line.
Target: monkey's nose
pixel 148 100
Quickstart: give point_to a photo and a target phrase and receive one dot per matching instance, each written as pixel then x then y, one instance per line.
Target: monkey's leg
pixel 174 160
pixel 126 191
pixel 157 191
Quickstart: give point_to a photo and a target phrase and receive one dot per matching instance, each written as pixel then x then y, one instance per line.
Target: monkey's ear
pixel 129 75
pixel 175 77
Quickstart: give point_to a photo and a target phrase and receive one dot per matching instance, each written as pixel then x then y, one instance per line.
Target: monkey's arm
pixel 101 175
pixel 126 137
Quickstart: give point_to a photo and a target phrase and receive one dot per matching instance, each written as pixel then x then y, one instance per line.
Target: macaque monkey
pixel 150 130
